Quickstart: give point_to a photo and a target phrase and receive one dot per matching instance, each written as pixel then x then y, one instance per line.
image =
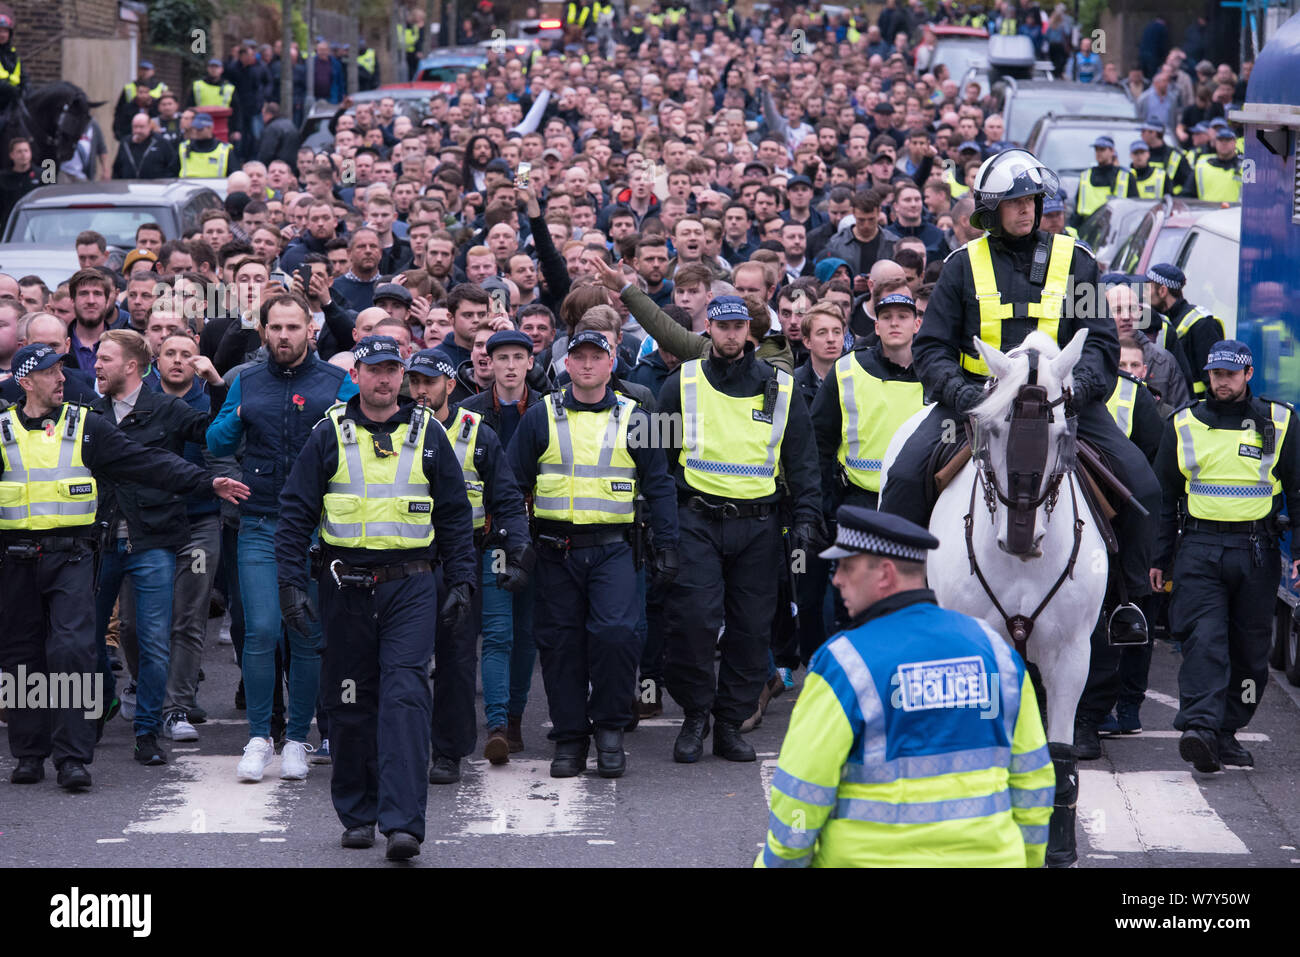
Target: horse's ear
pixel 997 361
pixel 95 104
pixel 1069 356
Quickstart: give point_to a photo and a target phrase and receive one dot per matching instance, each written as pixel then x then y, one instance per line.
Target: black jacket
pixel 485 404
pixel 503 500
pixel 303 493
pixel 1195 344
pixel 1220 415
pixel 152 158
pixel 154 518
pixel 952 321
pixel 1148 423
pixel 114 457
pixel 744 377
pixel 279 142
pixel 533 436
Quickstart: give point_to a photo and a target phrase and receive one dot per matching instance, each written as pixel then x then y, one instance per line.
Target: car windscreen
pixel 1028 105
pixel 444 73
pixel 960 55
pixel 60 226
pixel 1210 263
pixel 1070 147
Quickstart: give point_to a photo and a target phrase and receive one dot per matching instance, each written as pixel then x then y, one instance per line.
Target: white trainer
pixel 257 755
pixel 177 727
pixel 293 761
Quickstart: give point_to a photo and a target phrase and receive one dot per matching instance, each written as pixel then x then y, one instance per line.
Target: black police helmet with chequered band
pixel 864 531
pixel 1009 175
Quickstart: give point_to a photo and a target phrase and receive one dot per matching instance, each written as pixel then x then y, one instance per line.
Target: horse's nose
pixel 1034 551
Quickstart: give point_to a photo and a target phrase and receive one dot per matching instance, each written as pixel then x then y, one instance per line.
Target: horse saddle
pixel 1095 478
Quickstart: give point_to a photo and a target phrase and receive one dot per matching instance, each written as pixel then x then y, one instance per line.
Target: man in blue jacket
pixel 273 407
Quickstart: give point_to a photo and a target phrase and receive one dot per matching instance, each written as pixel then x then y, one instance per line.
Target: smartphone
pixel 500 301
pixel 522 175
pixel 304 276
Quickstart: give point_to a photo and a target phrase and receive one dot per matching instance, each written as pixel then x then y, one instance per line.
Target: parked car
pixel 444 65
pixel 1208 255
pixel 1024 102
pixel 1159 235
pixel 1106 230
pixel 54 264
pixel 1064 144
pixel 959 49
pixel 54 215
pixel 411 99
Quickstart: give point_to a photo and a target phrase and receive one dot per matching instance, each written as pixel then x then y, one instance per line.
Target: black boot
pixel 1061 850
pixel 444 770
pixel 611 760
pixel 73 776
pixel 1087 742
pixel 1200 747
pixel 359 837
pixel 570 758
pixel 29 771
pixel 1231 751
pixel 690 740
pixel 727 743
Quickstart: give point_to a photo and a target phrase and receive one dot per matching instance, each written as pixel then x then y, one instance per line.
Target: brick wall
pixel 42 24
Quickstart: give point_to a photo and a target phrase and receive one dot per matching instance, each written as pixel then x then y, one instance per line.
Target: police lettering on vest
pixel 731 446
pixel 378 497
pixel 569 489
pixel 1230 474
pixel 463 432
pixel 871 410
pixel 993 311
pixel 45 484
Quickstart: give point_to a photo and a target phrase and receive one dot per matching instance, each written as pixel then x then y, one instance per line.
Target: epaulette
pixel 1080 244
pixel 1186 405
pixel 1130 377
pixel 1288 405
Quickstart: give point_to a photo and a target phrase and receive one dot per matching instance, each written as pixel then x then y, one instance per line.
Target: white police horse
pixel 1059 582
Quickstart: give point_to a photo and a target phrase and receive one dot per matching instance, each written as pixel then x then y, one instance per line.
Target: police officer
pixel 501 538
pixel 1053 220
pixel 866 396
pixel 12 83
pixel 743 422
pixel 1000 287
pixel 1178 172
pixel 1117 675
pixel 53 454
pixel 213 90
pixel 1146 180
pixel 1196 330
pixel 381 481
pixel 1217 176
pixel 1229 461
pixel 201 155
pixel 585 453
pixel 910 701
pixel 1098 183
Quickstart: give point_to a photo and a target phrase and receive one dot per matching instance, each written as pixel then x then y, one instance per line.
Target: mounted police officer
pixel 744 423
pixel 1197 331
pixel 1229 462
pixel 1000 287
pixel 585 453
pixel 12 82
pixel 52 456
pixel 891 759
pixel 381 481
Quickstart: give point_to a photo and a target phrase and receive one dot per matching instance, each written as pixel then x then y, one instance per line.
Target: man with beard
pixel 94 310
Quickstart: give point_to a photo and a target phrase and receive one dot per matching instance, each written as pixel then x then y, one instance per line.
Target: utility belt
pixel 29 549
pixel 721 510
pixel 1265 527
pixel 568 542
pixel 348 576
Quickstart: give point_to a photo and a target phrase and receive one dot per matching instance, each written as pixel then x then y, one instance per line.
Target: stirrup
pixel 1127 626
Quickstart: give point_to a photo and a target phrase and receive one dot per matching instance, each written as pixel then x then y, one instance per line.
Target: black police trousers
pixel 729 572
pixel 49 629
pixel 454 727
pixel 375 685
pixel 585 626
pixel 1225 593
pixel 904 493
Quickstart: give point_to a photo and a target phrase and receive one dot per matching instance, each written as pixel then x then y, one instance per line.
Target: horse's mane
pixel 997 403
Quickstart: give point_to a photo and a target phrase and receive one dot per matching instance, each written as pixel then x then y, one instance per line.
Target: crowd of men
pixel 680 216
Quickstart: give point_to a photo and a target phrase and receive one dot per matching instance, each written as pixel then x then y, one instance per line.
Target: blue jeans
pixel 152 571
pixel 498 640
pixel 259 591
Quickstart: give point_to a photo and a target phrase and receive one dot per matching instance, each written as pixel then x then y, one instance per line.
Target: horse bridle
pixel 1030 416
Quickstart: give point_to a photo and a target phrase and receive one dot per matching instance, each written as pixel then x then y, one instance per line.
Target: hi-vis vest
pixel 15 77
pixel 577 15
pixel 1008 27
pixel 1195 315
pixel 871 410
pixel 955 189
pixel 731 447
pixel 1153 187
pixel 366 61
pixel 378 502
pixel 463 432
pixel 1229 474
pixel 1122 401
pixel 993 311
pixel 411 35
pixel 1278 358
pixel 131 88
pixel 206 94
pixel 1170 166
pixel 1092 198
pixel 586 476
pixel 204 165
pixel 45 484
pixel 1216 184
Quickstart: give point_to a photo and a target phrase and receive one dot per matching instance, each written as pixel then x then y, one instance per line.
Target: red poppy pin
pixel 299 401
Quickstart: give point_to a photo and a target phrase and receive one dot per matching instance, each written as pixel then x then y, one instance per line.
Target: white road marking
pixel 202 796
pixel 1104 857
pixel 272 840
pixel 1241 736
pixel 767 771
pixel 521 798
pixel 184 750
pixel 1139 811
pixel 1160 698
pixel 603 842
pixel 111 840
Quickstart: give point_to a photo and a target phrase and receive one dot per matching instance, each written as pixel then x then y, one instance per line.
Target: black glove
pixel 456 606
pixel 518 570
pixel 296 609
pixel 967 397
pixel 808 536
pixel 663 569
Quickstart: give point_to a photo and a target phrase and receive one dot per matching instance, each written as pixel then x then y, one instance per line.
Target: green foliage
pixel 171 22
pixel 1090 12
pixel 299 28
